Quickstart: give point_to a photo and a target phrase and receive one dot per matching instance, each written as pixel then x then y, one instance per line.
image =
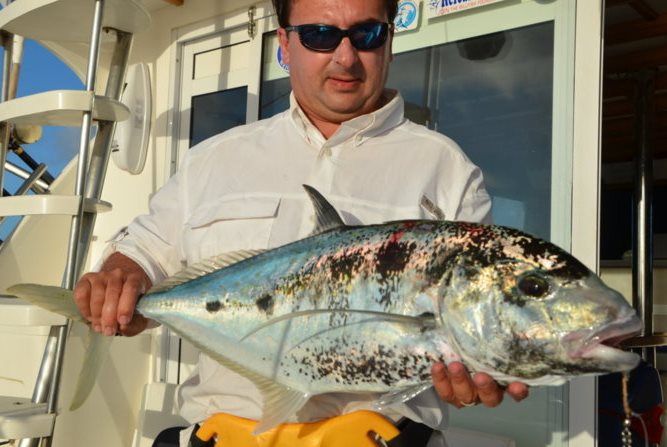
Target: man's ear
pixel 284 44
pixel 391 43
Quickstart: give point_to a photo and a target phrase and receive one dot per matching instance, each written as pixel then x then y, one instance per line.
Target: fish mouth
pixel 605 345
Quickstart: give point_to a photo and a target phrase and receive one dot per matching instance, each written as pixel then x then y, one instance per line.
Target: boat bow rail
pixel 31 421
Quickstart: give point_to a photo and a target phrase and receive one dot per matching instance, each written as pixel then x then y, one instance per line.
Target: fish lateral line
pixel 425 321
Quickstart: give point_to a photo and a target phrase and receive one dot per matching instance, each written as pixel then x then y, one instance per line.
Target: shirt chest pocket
pixel 229 224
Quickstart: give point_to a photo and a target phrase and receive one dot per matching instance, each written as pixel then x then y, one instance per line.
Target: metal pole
pixel 7 43
pixel 71 274
pixel 642 253
pixel 40 186
pixel 101 152
pixel 31 180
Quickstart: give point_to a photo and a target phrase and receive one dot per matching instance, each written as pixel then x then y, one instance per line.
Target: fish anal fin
pixel 401 396
pixel 280 404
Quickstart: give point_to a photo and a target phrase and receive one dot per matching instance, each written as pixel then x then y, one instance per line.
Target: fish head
pixel 522 308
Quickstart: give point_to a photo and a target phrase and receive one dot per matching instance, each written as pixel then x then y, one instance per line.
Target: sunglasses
pixel 365 36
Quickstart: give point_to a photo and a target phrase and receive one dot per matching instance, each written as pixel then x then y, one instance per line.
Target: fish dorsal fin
pixel 204 267
pixel 326 216
pixel 400 396
pixel 52 298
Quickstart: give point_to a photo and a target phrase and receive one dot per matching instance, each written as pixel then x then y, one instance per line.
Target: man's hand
pixel 454 385
pixel 107 298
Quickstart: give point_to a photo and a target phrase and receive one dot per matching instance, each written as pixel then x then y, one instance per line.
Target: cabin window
pixel 492 94
pixel 216 112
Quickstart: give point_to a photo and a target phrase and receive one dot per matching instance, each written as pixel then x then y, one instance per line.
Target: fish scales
pixel 387 268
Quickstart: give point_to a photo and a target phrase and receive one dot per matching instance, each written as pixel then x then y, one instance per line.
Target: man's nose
pixel 345 53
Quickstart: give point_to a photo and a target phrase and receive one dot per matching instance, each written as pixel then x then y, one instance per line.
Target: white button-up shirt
pixel 242 189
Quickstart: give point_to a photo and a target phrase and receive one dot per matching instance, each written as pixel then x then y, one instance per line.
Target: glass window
pixel 275 88
pixel 492 95
pixel 274 97
pixel 213 113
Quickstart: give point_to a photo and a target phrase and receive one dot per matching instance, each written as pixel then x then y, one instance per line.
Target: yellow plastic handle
pixel 347 430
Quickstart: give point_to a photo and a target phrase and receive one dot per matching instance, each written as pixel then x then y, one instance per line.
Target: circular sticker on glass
pixel 406 17
pixel 281 60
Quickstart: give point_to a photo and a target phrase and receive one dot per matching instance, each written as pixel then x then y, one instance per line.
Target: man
pixel 345 135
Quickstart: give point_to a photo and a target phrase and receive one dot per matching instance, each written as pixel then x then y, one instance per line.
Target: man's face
pixel 335 86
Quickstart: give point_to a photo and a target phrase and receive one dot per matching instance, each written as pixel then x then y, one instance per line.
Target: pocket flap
pixel 234 208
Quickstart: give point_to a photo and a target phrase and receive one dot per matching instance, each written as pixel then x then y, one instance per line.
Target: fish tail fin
pixel 51 298
pixel 97 350
pixel 61 301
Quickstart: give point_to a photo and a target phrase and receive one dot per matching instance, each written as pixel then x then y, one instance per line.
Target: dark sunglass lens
pixel 320 37
pixel 368 36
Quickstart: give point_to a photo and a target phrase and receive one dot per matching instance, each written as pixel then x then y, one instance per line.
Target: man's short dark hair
pixel 282 8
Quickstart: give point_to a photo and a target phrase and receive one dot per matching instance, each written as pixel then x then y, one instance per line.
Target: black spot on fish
pixel 265 303
pixel 344 268
pixel 213 306
pixel 392 258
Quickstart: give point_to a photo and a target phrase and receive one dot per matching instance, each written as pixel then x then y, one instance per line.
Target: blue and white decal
pixel 438 8
pixel 281 60
pixel 407 16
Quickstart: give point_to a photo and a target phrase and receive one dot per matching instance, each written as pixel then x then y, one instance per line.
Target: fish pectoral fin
pixel 424 321
pixel 280 403
pixel 401 396
pixel 97 350
pixel 51 298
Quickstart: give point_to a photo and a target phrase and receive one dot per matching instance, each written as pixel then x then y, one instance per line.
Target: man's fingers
pixel 114 287
pixel 517 390
pixel 82 297
pixel 136 325
pixel 490 394
pixel 132 289
pixel 442 383
pixel 97 297
pixel 464 387
pixel 453 384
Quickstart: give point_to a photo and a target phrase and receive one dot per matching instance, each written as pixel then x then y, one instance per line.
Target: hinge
pixel 251 22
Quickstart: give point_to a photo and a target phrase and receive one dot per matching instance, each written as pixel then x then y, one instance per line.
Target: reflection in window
pixel 213 113
pixel 274 97
pixel 493 95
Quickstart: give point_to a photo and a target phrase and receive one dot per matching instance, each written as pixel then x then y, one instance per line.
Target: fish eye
pixel 533 285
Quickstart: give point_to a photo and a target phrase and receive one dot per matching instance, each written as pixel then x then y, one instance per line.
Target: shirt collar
pixel 356 130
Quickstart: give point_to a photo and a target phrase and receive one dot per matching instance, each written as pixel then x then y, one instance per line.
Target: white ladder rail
pixel 34 422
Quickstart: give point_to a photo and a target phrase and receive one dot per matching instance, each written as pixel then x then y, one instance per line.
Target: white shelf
pixel 15 312
pixel 48 204
pixel 20 418
pixel 70 20
pixel 61 108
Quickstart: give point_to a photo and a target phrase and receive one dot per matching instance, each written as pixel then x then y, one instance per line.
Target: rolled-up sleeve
pixel 152 240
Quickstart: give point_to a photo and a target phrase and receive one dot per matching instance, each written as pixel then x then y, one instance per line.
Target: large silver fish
pixel 369 309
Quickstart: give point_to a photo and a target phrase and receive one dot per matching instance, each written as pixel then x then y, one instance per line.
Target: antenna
pixel 130 142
